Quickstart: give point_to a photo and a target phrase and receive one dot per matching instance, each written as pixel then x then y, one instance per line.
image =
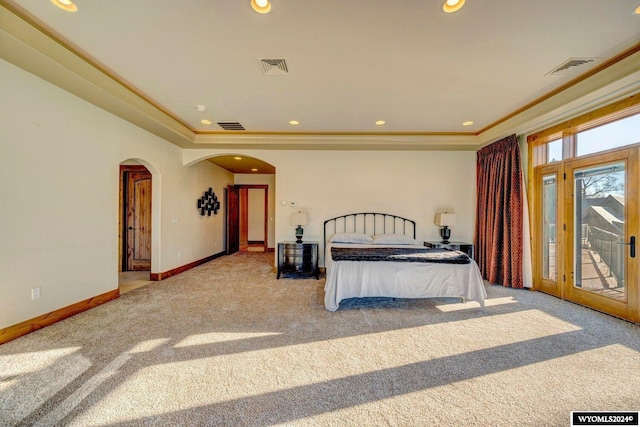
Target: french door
pixel 586 231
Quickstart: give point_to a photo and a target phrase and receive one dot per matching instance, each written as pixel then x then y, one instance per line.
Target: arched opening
pixel 136 225
pixel 249 203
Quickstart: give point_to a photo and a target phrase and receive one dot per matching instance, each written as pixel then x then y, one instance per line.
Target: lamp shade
pixel 445 219
pixel 299 218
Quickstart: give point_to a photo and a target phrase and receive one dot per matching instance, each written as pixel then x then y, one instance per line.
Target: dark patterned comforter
pixel 442 256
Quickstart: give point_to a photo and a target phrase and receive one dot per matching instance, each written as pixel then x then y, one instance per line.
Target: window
pixel 554 150
pixel 612 127
pixel 585 201
pixel 611 135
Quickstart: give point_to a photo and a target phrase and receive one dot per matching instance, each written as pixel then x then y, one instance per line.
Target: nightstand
pixel 298 258
pixel 456 246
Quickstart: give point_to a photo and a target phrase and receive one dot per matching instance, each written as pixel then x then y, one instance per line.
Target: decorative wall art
pixel 208 203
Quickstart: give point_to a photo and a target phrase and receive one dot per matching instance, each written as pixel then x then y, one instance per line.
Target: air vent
pixel 572 66
pixel 274 66
pixel 231 126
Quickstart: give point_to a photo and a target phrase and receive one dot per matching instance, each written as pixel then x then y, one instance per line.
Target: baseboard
pixel 28 326
pixel 161 276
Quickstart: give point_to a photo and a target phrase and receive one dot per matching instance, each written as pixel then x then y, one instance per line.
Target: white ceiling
pixel 350 62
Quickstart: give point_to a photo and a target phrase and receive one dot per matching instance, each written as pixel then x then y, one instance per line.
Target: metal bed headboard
pixel 370 223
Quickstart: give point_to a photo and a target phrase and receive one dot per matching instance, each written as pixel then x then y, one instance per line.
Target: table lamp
pixel 299 219
pixel 444 220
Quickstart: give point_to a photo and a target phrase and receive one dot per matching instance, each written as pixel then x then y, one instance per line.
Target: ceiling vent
pixel 274 67
pixel 231 126
pixel 572 66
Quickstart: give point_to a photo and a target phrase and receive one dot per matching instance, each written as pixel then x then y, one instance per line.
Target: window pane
pixel 612 135
pixel 599 222
pixel 549 209
pixel 554 151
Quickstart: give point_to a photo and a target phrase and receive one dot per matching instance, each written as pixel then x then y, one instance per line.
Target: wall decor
pixel 208 203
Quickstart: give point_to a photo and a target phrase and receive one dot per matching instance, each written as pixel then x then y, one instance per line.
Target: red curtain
pixel 499 217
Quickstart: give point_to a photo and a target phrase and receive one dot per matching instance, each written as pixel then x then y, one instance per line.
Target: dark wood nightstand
pixel 298 258
pixel 456 246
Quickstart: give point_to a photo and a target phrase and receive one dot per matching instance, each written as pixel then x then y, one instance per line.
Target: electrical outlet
pixel 179 254
pixel 35 293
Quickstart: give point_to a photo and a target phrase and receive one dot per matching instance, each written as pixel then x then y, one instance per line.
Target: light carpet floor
pixel 226 344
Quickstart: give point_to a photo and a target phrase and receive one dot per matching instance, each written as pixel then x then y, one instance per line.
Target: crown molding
pixel 28 45
pixel 340 141
pixel 35 48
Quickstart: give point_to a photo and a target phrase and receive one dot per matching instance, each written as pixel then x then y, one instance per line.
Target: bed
pixel 366 264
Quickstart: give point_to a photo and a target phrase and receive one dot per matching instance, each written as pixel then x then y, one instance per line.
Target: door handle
pixel 632 246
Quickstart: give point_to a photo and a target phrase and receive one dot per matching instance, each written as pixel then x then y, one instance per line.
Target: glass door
pixel 602 227
pixel 548 247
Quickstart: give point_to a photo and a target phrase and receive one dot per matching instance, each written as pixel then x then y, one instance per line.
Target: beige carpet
pixel 227 344
pixel 130 280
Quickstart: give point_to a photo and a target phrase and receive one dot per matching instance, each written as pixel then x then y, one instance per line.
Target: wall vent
pixel 274 67
pixel 572 66
pixel 231 126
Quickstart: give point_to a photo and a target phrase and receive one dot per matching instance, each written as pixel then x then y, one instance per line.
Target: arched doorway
pixel 249 202
pixel 135 225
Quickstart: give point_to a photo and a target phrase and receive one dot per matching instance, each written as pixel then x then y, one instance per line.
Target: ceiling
pixel 349 63
pixel 243 164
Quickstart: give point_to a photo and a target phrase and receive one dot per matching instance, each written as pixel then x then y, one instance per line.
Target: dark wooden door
pixel 137 220
pixel 233 219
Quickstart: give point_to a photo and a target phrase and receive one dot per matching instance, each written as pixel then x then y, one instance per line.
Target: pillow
pixel 351 238
pixel 394 239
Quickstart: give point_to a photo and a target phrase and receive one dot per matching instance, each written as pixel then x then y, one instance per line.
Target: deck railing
pixel 608 246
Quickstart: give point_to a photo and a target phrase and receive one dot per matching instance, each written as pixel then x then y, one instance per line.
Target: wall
pixel 263 179
pixel 325 184
pixel 256 197
pixel 59 158
pixel 59 183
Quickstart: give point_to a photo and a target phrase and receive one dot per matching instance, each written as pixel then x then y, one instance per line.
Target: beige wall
pixel 256 198
pixel 270 181
pixel 59 179
pixel 59 183
pixel 325 184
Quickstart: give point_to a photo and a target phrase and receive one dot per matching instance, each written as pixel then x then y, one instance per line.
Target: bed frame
pixel 352 279
pixel 370 223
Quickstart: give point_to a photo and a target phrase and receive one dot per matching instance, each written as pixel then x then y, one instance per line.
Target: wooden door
pixel 233 219
pixel 137 220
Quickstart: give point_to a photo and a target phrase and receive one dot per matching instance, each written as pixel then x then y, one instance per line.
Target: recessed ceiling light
pixel 380 122
pixel 637 11
pixel 450 6
pixel 65 5
pixel 254 170
pixel 201 108
pixel 205 122
pixel 238 158
pixel 261 6
pixel 467 123
pixel 294 122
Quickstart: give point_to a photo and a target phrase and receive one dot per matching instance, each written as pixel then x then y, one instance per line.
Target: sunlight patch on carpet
pixel 24 363
pixel 472 304
pixel 148 345
pixel 217 337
